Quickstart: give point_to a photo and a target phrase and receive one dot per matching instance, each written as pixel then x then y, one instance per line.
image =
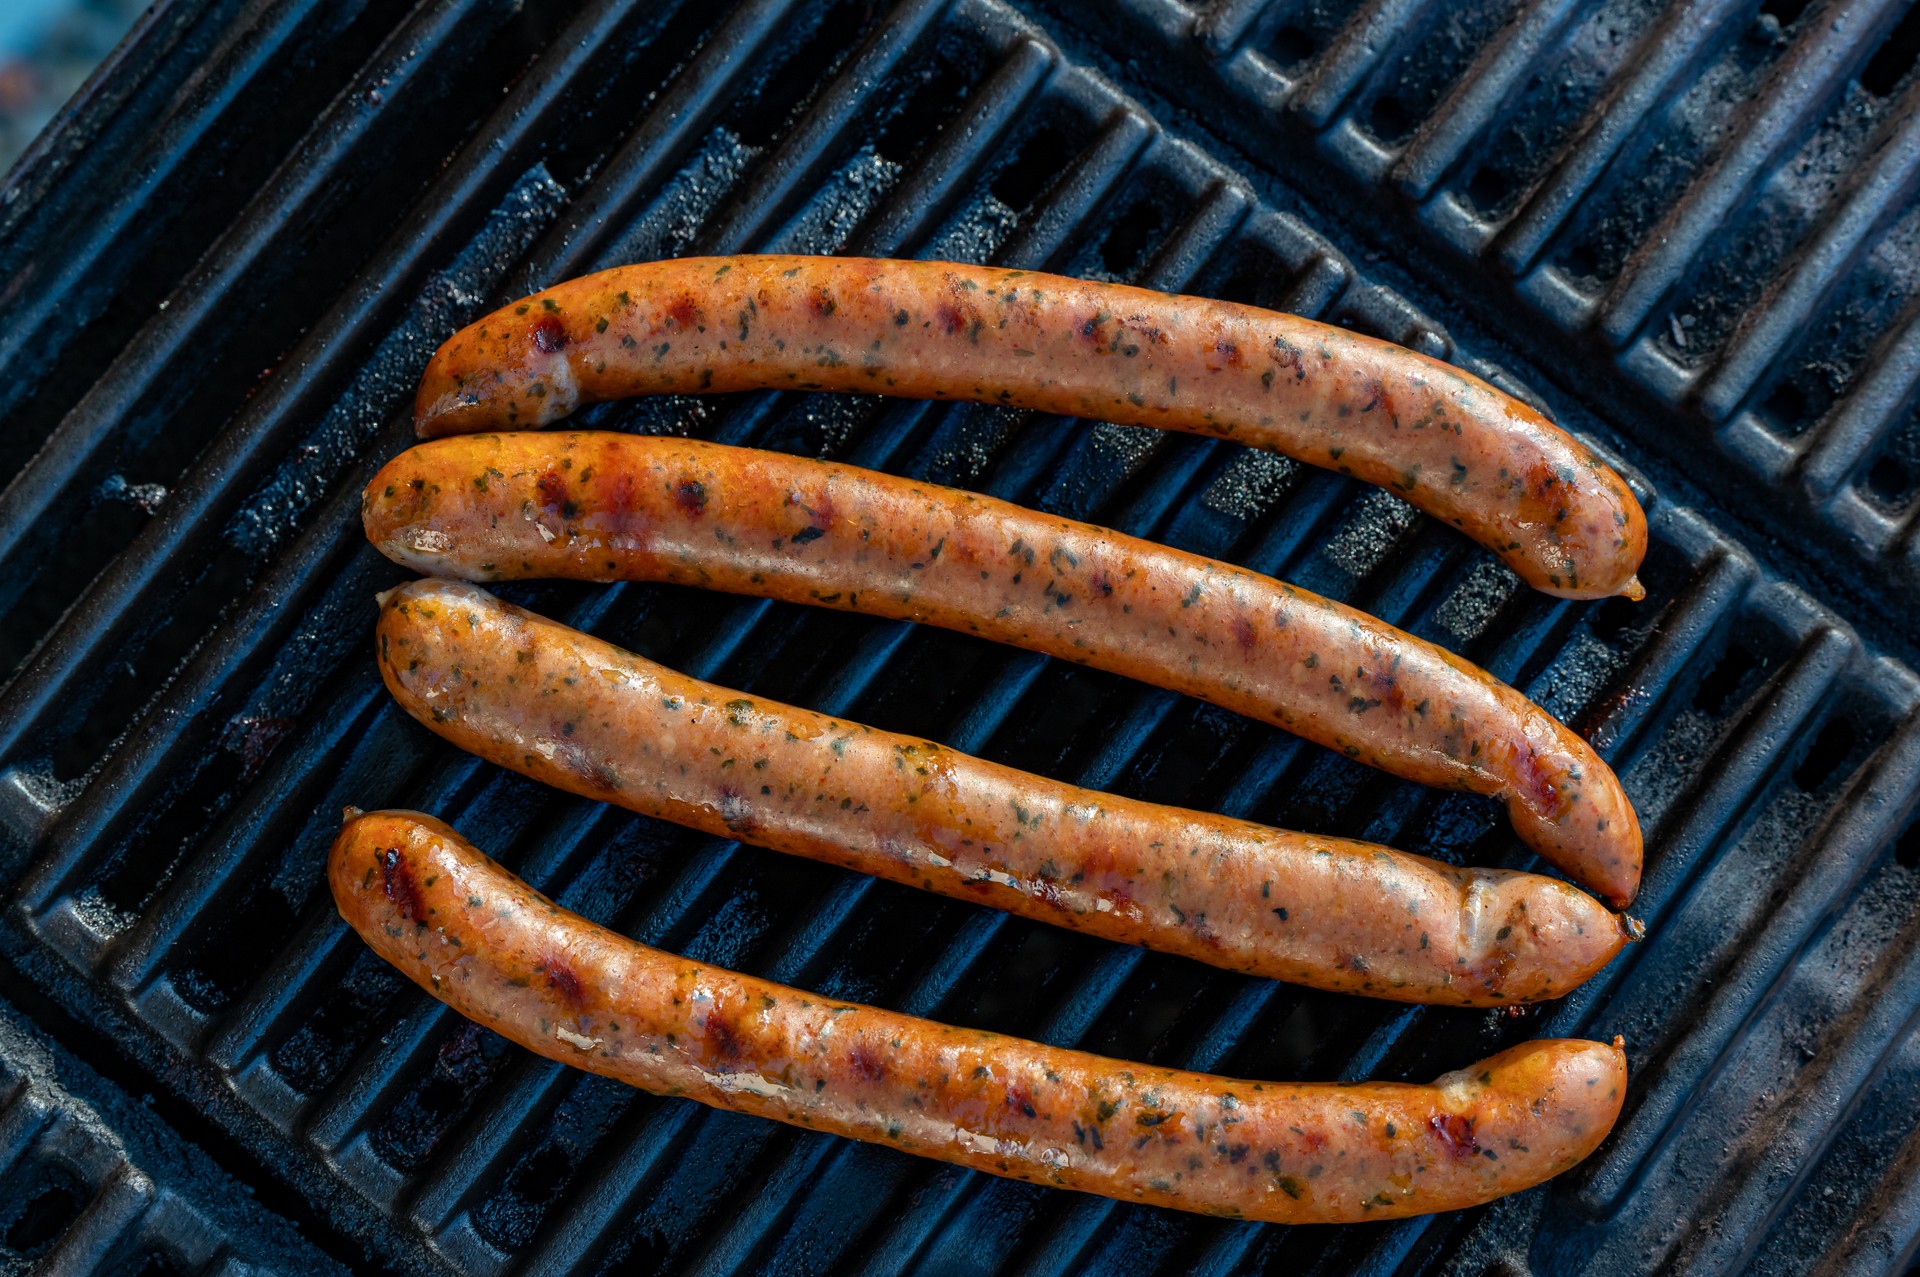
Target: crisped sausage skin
pixel 485 943
pixel 604 506
pixel 1442 439
pixel 582 715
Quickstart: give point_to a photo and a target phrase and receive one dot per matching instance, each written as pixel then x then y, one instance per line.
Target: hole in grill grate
pixel 1151 1019
pixel 1307 28
pixel 217 970
pixel 511 1218
pixel 1836 744
pixel 44 1210
pixel 1614 617
pixel 76 555
pixel 1784 12
pixel 346 1018
pixel 937 676
pixel 1894 59
pixel 1193 754
pixel 1785 410
pixel 936 94
pixel 1291 45
pixel 1489 190
pixel 1390 120
pixel 1906 849
pixel 119 693
pixel 1254 276
pixel 1034 168
pixel 1133 231
pixel 1014 986
pixel 1582 263
pixel 1732 680
pixel 1890 482
pixel 151 1263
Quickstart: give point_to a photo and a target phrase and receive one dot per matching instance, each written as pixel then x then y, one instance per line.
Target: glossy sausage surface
pixel 602 506
pixel 1445 441
pixel 582 715
pixel 493 949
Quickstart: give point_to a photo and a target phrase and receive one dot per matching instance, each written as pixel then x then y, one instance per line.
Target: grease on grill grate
pixel 167 824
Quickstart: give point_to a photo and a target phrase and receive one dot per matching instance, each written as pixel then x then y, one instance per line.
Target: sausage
pixel 582 715
pixel 1445 441
pixel 603 506
pixel 498 952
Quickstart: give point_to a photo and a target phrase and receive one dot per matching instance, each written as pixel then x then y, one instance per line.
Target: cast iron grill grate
pixel 1715 198
pixel 87 1190
pixel 193 704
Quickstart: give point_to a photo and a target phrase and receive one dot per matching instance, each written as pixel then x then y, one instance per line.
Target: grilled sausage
pixel 582 715
pixel 1446 441
pixel 493 949
pixel 608 507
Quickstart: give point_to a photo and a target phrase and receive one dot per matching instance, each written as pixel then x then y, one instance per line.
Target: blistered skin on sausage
pixel 603 506
pixel 1445 441
pixel 582 715
pixel 493 949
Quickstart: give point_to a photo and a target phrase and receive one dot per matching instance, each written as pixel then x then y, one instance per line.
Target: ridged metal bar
pixel 196 508
pixel 1363 43
pixel 685 109
pixel 1799 1125
pixel 1885 1237
pixel 1863 419
pixel 779 179
pixel 39 496
pixel 1864 821
pixel 1473 103
pixel 1878 196
pixel 1685 34
pixel 1801 89
pixel 926 193
pixel 1696 824
pixel 49 313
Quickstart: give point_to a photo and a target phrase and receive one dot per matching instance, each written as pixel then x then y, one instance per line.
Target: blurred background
pixel 47 48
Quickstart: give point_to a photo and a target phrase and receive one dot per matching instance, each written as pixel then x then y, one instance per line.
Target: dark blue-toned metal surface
pixel 204 360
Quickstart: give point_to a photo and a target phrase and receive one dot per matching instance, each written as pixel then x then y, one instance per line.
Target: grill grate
pixel 192 705
pixel 1716 198
pixel 102 1187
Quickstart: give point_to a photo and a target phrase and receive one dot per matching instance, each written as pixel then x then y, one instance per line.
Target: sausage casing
pixel 1445 441
pixel 493 949
pixel 604 506
pixel 582 715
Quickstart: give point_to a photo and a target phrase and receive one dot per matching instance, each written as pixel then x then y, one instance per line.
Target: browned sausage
pixel 1447 442
pixel 609 507
pixel 582 715
pixel 493 949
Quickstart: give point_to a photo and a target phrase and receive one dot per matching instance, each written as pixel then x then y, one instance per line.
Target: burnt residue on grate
pixel 188 596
